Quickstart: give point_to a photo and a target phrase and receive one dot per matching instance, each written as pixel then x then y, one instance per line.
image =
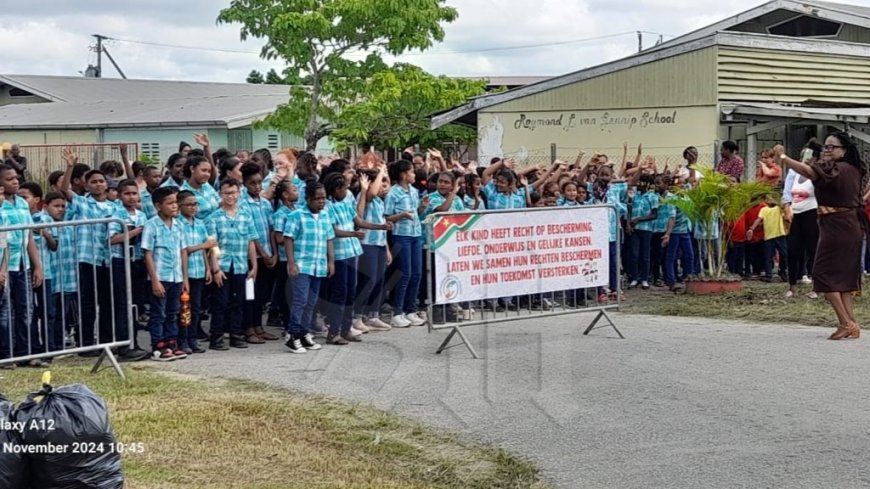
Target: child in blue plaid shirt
pixel 403 208
pixel 234 230
pixel 308 240
pixel 62 261
pixel 376 254
pixel 43 314
pixel 194 266
pixel 162 241
pixel 342 210
pixel 134 220
pixel 286 197
pixel 260 210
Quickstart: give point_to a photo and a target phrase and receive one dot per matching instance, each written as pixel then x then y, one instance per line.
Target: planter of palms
pixel 717 202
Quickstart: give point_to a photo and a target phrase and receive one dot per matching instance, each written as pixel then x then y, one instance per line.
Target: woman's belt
pixel 824 209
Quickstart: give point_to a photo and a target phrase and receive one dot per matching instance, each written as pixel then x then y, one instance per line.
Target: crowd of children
pixel 231 236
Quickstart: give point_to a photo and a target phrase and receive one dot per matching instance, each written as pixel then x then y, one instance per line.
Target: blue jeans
pixel 409 260
pixel 342 291
pixel 770 246
pixel 21 303
pixel 43 317
pixel 640 251
pixel 679 242
pixel 164 314
pixel 187 335
pixel 372 270
pixel 305 290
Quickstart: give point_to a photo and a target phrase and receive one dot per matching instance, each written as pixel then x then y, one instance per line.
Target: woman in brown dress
pixel 840 177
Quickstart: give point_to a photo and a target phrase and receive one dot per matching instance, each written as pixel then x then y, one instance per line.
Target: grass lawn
pixel 758 301
pixel 204 433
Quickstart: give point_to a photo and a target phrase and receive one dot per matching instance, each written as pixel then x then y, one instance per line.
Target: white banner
pixel 505 254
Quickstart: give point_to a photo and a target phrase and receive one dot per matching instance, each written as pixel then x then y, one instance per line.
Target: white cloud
pixel 52 36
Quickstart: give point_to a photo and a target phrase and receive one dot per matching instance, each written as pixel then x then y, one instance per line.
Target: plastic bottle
pixel 184 317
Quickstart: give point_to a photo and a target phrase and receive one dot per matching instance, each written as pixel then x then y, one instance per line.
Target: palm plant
pixel 713 201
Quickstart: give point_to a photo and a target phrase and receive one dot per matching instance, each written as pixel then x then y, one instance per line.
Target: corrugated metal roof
pixel 855 114
pixel 230 111
pixel 80 89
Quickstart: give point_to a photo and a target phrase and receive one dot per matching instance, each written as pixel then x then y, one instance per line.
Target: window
pixel 150 150
pixel 805 26
pixel 272 141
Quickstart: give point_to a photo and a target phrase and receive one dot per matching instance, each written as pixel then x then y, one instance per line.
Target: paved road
pixel 681 403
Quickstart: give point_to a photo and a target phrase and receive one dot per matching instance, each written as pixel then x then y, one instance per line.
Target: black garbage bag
pixel 69 439
pixel 13 464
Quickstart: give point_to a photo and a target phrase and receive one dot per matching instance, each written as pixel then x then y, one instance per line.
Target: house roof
pixel 204 111
pixel 702 38
pixel 78 102
pixel 77 89
pixel 838 12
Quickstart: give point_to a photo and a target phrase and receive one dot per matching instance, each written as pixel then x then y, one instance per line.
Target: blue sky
pixel 52 36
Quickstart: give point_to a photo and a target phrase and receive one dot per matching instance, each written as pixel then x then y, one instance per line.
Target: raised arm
pixel 125 159
pixel 70 159
pixel 800 168
pixel 202 140
pixel 490 171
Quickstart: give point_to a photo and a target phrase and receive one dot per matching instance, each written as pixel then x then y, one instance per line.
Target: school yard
pixel 681 402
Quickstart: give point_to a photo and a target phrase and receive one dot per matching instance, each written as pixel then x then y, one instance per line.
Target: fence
pixel 491 267
pixel 78 308
pixel 42 159
pixel 664 156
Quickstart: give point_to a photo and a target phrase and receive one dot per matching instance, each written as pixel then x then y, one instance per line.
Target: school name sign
pixel 505 254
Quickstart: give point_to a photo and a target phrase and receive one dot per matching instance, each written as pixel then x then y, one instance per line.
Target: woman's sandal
pixel 252 337
pixel 263 334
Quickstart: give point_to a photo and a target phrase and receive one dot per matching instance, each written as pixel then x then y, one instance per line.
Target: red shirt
pixel 751 216
pixel 738 231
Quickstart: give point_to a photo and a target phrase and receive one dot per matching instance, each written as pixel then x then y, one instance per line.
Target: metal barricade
pixel 492 267
pixel 52 320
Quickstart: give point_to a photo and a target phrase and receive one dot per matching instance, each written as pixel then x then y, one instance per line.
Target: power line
pixel 426 53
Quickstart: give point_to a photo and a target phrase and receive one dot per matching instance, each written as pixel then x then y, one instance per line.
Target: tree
pixel 315 38
pixel 396 104
pixel 255 77
pixel 273 78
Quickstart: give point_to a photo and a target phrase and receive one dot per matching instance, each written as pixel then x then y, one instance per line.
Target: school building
pixel 783 71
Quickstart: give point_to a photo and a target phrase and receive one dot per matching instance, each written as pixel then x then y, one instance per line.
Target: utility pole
pixel 639 41
pixel 99 55
pixel 100 50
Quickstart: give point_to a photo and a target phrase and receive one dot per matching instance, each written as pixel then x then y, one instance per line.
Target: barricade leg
pixel 446 343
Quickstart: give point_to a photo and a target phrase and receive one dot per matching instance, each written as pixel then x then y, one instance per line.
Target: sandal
pixel 252 337
pixel 263 334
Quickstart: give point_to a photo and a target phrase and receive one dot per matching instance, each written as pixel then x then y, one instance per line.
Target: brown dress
pixel 837 266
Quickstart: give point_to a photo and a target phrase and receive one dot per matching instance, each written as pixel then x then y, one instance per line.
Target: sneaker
pixel 806 280
pixel 644 285
pixel 177 352
pixel 162 355
pixel 789 294
pixel 309 343
pixel 375 324
pixel 603 298
pixel 467 314
pixel 399 321
pixel 131 355
pixel 295 345
pixel 813 295
pixel 633 284
pixel 359 325
pixel 196 348
pixel 414 319
pixel 356 332
pixel 218 344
